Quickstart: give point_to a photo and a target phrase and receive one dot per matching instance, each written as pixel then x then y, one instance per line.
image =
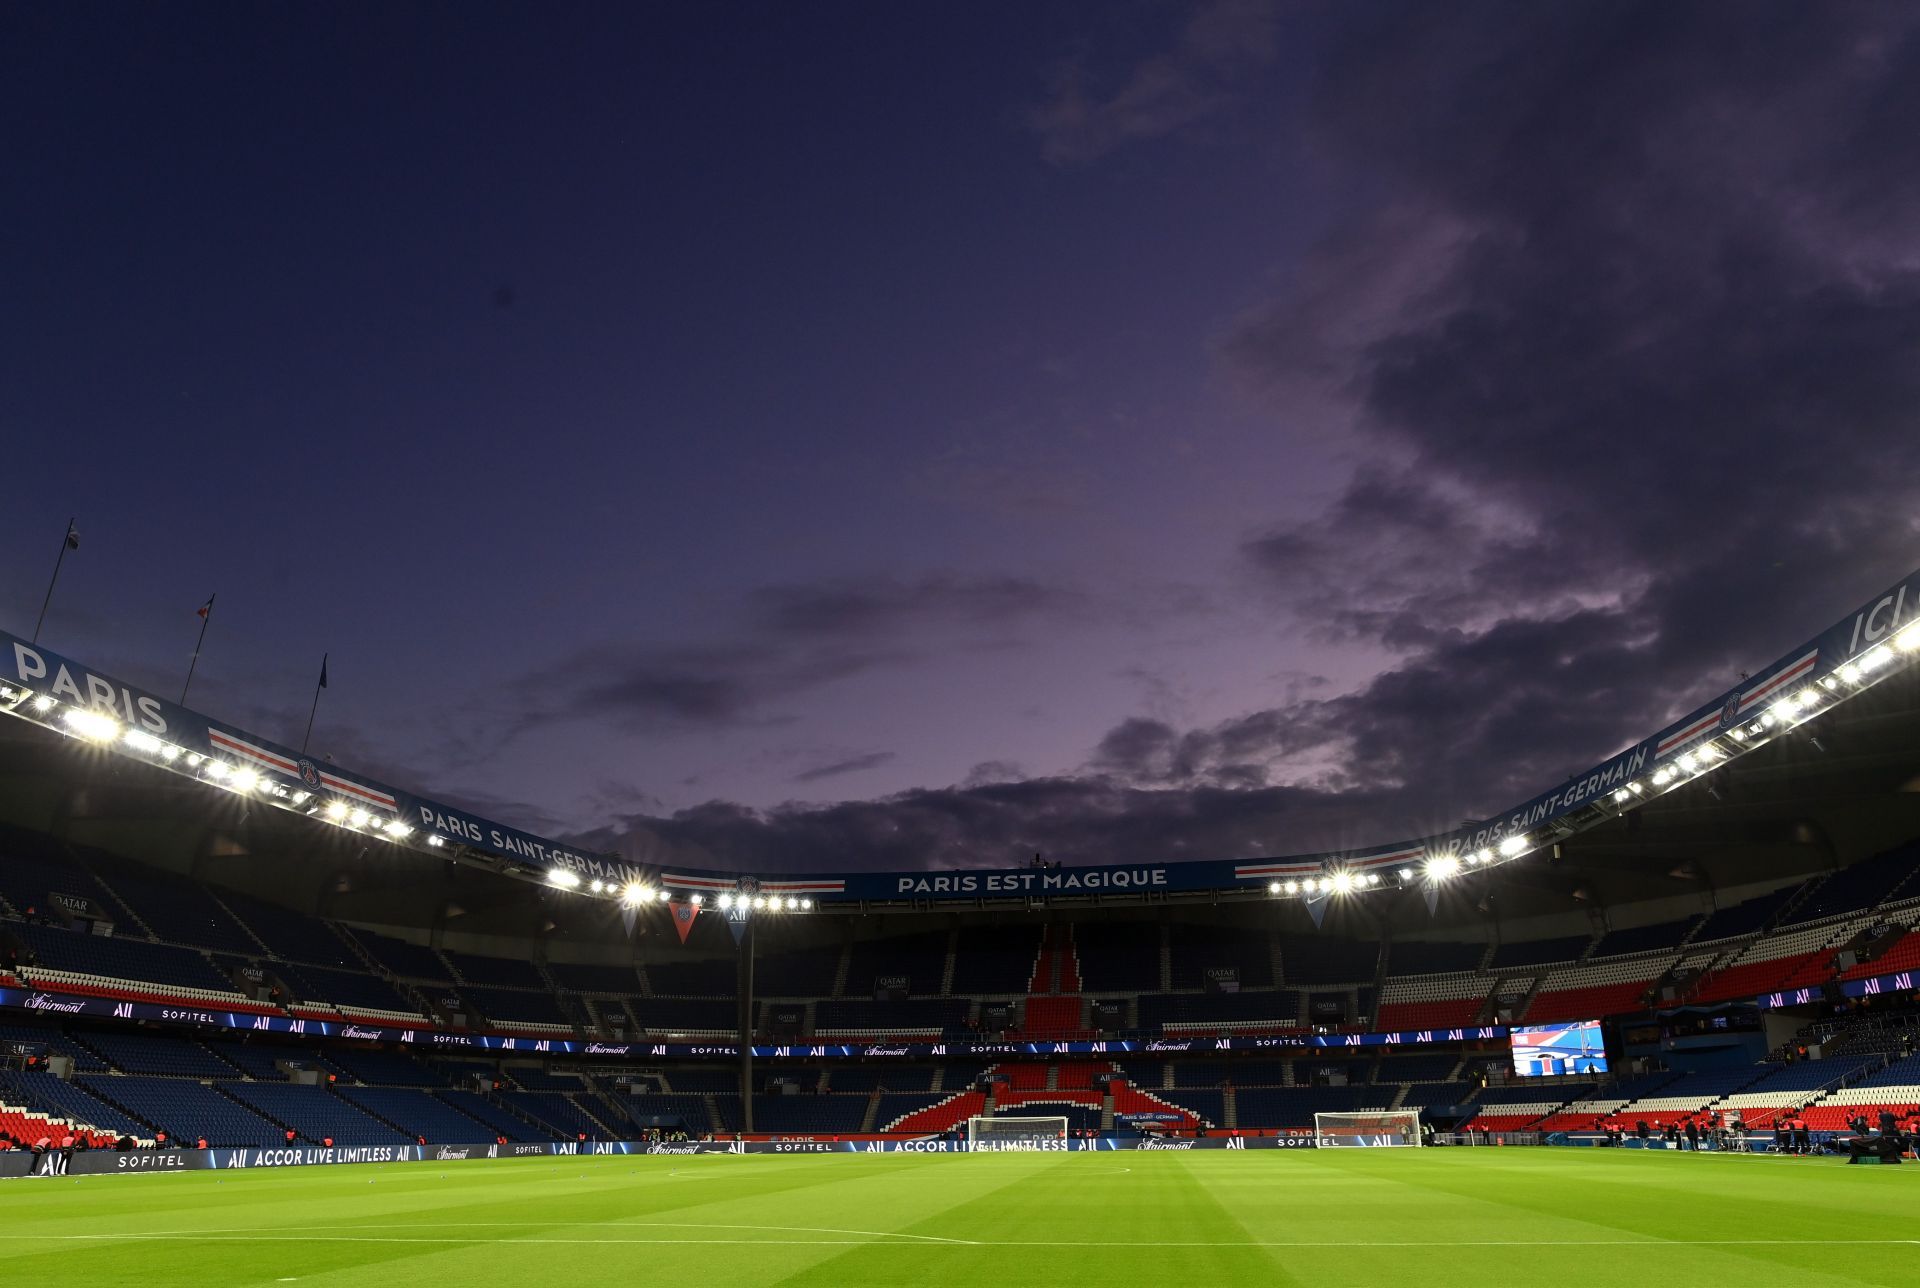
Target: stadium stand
pixel 995 959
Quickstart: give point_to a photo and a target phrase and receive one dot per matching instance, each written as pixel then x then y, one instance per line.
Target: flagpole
pixel 66 540
pixel 319 684
pixel 206 619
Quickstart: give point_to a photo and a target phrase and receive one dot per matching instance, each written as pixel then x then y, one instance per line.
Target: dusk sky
pixel 887 435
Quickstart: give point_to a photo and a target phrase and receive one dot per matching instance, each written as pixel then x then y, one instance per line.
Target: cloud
pixel 1626 394
pixel 851 765
pixel 1220 46
pixel 1623 335
pixel 859 609
pixel 791 639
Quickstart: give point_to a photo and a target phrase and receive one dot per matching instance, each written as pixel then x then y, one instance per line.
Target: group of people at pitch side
pixel 1702 1131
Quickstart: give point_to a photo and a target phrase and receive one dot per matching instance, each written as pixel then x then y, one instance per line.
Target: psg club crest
pixel 309 773
pixel 1730 714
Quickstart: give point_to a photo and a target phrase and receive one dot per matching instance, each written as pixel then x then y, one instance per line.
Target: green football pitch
pixel 1421 1218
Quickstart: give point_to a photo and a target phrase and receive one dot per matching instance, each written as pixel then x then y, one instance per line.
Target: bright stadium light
pixel 1293 887
pixel 43 703
pixel 244 780
pixel 563 878
pixel 1342 882
pixel 140 740
pixel 806 905
pixel 596 885
pixel 301 798
pixel 1273 887
pixel 1622 796
pixel 436 840
pixel 726 901
pixel 1516 844
pixel 193 759
pixel 91 724
pixel 1872 660
pixel 1662 776
pixel 1406 874
pixel 1442 866
pixel 1850 673
pixel 169 752
pixel 398 831
pixel 695 900
pixel 358 818
pixel 1480 856
pixel 759 902
pixel 1373 878
pixel 336 810
pixel 1908 640
pixel 219 770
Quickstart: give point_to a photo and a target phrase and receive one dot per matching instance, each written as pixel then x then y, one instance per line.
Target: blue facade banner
pixel 42 685
pixel 42 1002
pixel 1895 982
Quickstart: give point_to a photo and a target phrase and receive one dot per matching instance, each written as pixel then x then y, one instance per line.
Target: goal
pixel 997 1132
pixel 1380 1128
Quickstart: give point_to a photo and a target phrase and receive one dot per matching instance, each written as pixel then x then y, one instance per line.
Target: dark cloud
pixel 860 609
pixel 1626 397
pixel 851 765
pixel 1626 342
pixel 1092 111
pixel 792 639
pixel 1074 820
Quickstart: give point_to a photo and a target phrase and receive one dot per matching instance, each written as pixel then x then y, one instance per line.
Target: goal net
pixel 1389 1128
pixel 1001 1133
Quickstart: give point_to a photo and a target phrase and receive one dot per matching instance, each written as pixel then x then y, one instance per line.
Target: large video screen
pixel 1546 1050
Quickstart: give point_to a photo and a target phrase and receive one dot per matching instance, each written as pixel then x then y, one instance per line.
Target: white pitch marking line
pixel 1649 1242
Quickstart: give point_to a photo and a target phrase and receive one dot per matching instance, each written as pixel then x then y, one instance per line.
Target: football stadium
pixel 268 1019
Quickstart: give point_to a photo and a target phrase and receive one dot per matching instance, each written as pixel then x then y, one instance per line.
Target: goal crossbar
pixel 1016 1132
pixel 1374 1128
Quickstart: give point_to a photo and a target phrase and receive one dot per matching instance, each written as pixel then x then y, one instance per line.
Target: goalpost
pixel 1380 1128
pixel 996 1132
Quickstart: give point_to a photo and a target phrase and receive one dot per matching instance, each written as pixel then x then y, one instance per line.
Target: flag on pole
pixel 205 610
pixel 73 536
pixel 323 670
pixel 737 922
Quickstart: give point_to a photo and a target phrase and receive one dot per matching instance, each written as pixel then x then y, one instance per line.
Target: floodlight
pixel 1516 844
pixel 245 780
pixel 596 885
pixel 91 724
pixel 726 901
pixel 1373 878
pixel 759 901
pixel 1850 673
pixel 1406 874
pixel 399 831
pixel 140 740
pixel 1343 881
pixel 43 703
pixel 1293 887
pixel 563 878
pixel 695 900
pixel 336 810
pixel 169 752
pixel 1442 866
pixel 1908 639
pixel 219 770
pixel 358 818
pixel 1273 887
pixel 436 840
pixel 806 905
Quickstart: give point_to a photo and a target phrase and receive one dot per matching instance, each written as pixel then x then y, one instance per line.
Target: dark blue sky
pixel 919 433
